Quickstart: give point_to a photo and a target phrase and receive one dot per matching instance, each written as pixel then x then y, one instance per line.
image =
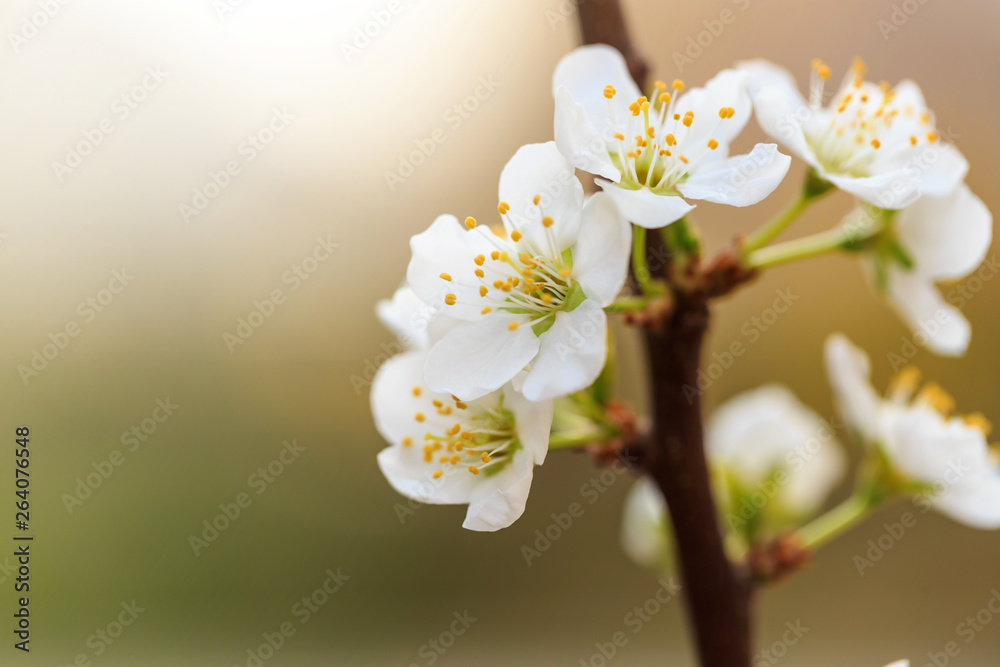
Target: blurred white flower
pixel 446 452
pixel 776 459
pixel 645 526
pixel 651 154
pixel 874 141
pixel 935 239
pixel 943 459
pixel 529 292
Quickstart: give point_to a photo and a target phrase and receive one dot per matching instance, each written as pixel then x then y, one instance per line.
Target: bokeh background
pixel 356 109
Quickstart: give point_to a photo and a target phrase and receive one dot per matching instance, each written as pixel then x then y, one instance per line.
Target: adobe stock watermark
pixel 892 533
pixel 259 481
pixel 302 611
pixel 377 21
pixel 752 329
pixel 224 8
pixel 635 620
pixel 899 16
pixel 432 650
pixel 121 108
pixel 131 440
pixel 714 28
pixel 590 491
pixel 246 152
pixel 59 340
pixel 795 460
pixel 779 649
pixel 970 628
pixel 31 25
pixel 294 278
pixel 454 118
pixel 103 638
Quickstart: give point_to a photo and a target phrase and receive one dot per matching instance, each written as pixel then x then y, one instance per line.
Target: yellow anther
pixel 659 85
pixel 913 140
pixel 515 236
pixel 483 290
pixel 503 257
pixel 619 136
pixel 936 397
pixel 566 273
pixel 713 144
pixel 925 117
pixel 480 259
pixel 547 298
pixel 644 106
pixel 688 120
pixel 876 143
pixel 609 92
pixel 503 207
pixel 446 410
pixel 513 325
pixel 863 98
pixel 979 422
pixel 468 435
pixel 664 98
pixel 670 139
pixel 820 67
pixel 428 457
pixel 419 416
pixel 455 429
pixel 499 230
pixel 485 457
pixel 932 136
pixel 497 284
pixel 474 470
pixel 480 273
pixel 682 159
pixel 450 299
pixel 677 85
pixel 445 276
pixel 438 474
pixel 495 255
pixel 460 405
pixel 547 221
pixel 664 151
pixel 455 459
pixel 417 391
pixel 859 67
pixel 634 108
pixel 407 441
pixel 515 281
pixel 536 199
pixel 444 459
pixel 437 403
pixel 526 258
pixel 485 310
pixel 677 116
pixel 470 222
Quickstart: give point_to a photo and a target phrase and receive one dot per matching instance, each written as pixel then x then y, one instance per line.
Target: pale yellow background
pixel 324 175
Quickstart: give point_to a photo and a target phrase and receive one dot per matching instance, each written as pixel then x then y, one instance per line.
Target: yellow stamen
pixel 876 143
pixel 537 199
pixel 417 391
pixel 438 474
pixel 470 222
pixel 450 299
pixel 407 441
pixel 480 260
pixel 513 325
pixel 515 236
pixel 419 416
pixel 474 470
pixel 445 276
pixel 483 290
pixel 547 221
pixel 713 144
pixel 979 422
pixel 485 310
pixel 677 85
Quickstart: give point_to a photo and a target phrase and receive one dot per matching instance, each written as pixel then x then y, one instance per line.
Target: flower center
pixel 657 150
pixel 520 276
pixel 481 439
pixel 849 134
pixel 903 390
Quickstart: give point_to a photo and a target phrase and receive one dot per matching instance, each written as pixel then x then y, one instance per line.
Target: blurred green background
pixel 356 108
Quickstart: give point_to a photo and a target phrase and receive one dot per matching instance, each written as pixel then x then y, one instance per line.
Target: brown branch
pixel 718 593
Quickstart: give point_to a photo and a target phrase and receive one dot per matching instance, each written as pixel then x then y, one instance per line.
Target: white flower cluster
pixel 503 318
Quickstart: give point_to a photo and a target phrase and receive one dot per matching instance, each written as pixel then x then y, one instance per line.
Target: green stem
pixel 778 224
pixel 639 267
pixel 809 246
pixel 836 521
pixel 627 303
pixel 579 440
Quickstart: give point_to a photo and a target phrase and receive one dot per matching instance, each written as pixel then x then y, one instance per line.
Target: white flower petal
pixel 725 89
pixel 476 358
pixel 572 353
pixel 947 237
pixel 585 72
pixel 540 169
pixel 579 140
pixel 401 467
pixel 446 247
pixel 892 190
pixel 945 172
pixel 943 328
pixel 978 508
pixel 780 109
pixel 602 251
pixel 533 421
pixel 645 208
pixel 741 180
pixel 644 536
pixel 406 316
pixel 849 371
pixel 501 502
